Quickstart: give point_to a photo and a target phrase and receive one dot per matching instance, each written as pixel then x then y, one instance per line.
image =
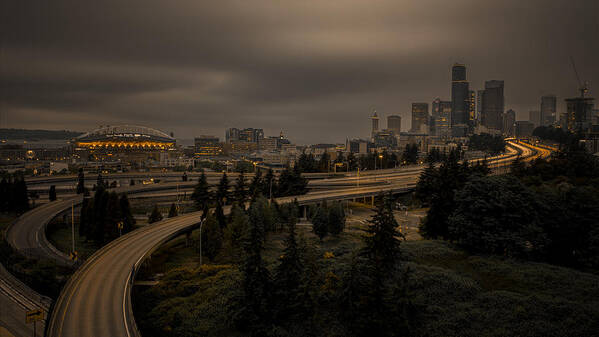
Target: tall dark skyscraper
pixel 493 105
pixel 419 118
pixel 548 109
pixel 460 98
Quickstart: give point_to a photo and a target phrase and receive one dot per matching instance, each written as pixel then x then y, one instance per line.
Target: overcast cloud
pixel 313 69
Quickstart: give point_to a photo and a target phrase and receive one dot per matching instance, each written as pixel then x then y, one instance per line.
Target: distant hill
pixel 38 134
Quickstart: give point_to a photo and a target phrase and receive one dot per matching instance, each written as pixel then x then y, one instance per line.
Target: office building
pixel 548 110
pixel 441 115
pixel 269 144
pixel 460 97
pixel 394 124
pixel 492 105
pixel 509 118
pixel 207 146
pixel 249 135
pixel 471 107
pixel 534 116
pixel 523 129
pixel 359 146
pixel 479 104
pixel 419 118
pixel 385 139
pixel 579 112
pixel 375 124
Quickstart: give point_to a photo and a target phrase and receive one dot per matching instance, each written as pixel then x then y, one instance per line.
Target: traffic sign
pixel 34 315
pixel 74 256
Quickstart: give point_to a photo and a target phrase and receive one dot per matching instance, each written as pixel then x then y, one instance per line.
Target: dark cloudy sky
pixel 313 69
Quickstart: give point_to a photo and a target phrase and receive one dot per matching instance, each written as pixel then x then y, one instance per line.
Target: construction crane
pixel 583 87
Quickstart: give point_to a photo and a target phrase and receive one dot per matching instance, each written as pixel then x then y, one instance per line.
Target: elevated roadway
pixel 96 301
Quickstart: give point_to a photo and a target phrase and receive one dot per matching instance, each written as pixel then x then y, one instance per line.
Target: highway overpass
pixel 96 301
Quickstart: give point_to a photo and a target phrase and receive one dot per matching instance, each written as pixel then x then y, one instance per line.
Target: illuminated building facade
pixel 207 146
pixel 123 141
pixel 441 114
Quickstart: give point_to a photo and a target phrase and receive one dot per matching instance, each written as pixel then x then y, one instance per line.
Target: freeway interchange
pixel 96 300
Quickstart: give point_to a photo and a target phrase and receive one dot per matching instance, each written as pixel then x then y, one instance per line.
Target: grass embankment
pixel 60 236
pixel 454 293
pixel 42 275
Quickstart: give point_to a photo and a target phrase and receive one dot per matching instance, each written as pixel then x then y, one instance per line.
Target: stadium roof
pixel 131 132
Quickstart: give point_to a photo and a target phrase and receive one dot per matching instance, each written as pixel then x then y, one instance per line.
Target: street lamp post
pixel 201 222
pixel 270 191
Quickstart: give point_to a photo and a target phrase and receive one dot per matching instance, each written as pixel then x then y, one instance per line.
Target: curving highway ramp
pixel 97 302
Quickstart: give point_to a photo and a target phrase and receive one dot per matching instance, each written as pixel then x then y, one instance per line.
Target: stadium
pixel 125 138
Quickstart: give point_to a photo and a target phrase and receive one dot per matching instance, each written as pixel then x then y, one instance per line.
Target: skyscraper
pixel 493 105
pixel 471 107
pixel 534 116
pixel 375 124
pixel 419 118
pixel 548 109
pixel 579 112
pixel 394 124
pixel 509 119
pixel 441 114
pixel 460 99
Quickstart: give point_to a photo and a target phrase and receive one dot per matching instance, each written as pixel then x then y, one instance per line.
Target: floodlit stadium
pixel 125 138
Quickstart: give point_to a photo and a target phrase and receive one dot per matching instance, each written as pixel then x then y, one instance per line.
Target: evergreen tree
pixel 220 216
pixel 382 239
pixel 201 193
pixel 113 217
pixel 269 186
pixel 410 154
pixel 240 193
pixel 236 229
pixel 336 219
pixel 100 183
pixel 374 300
pixel 288 276
pixel 20 196
pixel 324 163
pixel 100 216
pixel 155 216
pixel 86 218
pixel 212 237
pixel 52 193
pixel 132 182
pixel 254 315
pixel 222 191
pixel 320 222
pixel 427 184
pixel 256 185
pixel 126 215
pixel 172 212
pixel 5 192
pixel 80 182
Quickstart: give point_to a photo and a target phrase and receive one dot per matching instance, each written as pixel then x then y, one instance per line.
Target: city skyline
pixel 316 77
